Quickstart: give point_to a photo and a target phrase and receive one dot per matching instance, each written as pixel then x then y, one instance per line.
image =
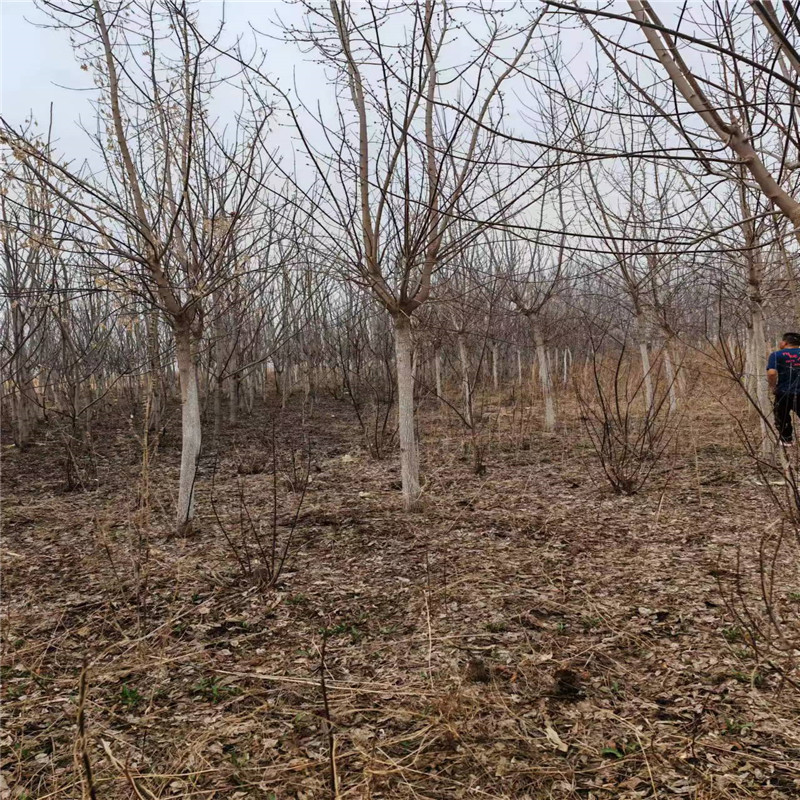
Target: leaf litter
pixel 523 635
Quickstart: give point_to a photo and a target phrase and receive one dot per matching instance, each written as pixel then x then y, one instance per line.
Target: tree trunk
pixel 463 357
pixel 644 351
pixel 286 384
pixel 190 428
pixel 305 370
pixel 234 382
pixel 495 368
pixel 217 408
pixel 545 380
pixel 671 379
pixel 24 395
pixel 233 400
pixel 758 353
pixel 758 342
pixel 409 457
pixel 155 382
pixel 437 365
pixel 250 394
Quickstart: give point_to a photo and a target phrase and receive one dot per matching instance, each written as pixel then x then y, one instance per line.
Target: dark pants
pixel 784 405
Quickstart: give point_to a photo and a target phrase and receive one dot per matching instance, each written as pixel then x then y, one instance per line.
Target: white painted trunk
pixel 190 427
pixel 647 375
pixel 22 412
pixel 233 401
pixel 306 375
pixel 409 457
pixel 250 394
pixel 758 354
pixel 437 366
pixel 671 379
pixel 495 368
pixel 519 366
pixel 217 389
pixel 545 380
pixel 463 357
pixel 286 380
pixel 233 385
pixel 154 379
pixel 750 367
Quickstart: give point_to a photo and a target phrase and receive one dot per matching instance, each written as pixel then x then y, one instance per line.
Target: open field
pixel 525 634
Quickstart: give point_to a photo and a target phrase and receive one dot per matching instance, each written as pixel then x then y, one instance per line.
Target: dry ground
pixel 525 634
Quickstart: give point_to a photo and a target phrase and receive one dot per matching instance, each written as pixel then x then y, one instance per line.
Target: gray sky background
pixel 38 65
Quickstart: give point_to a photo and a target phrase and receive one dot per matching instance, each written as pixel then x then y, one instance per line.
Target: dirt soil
pixel 525 634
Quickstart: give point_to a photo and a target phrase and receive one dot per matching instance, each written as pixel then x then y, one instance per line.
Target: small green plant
pixel 794 597
pixel 302 722
pixel 497 626
pixel 735 727
pixel 15 692
pixel 129 696
pixel 298 599
pixel 732 634
pixel 237 759
pixel 591 622
pixel 755 678
pixel 620 749
pixel 214 691
pixel 350 627
pixel 561 628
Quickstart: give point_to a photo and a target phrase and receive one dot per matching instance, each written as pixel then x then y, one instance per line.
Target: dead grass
pixel 525 634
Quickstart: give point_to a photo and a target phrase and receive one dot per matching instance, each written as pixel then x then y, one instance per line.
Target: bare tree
pixel 144 214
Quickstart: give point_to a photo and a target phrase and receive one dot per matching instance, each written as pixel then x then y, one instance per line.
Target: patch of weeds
pixel 9 671
pixel 616 689
pixel 497 626
pixel 735 727
pixel 298 599
pixel 213 690
pixel 732 634
pixel 755 678
pixel 236 758
pixel 303 722
pixel 15 692
pixel 590 623
pixel 129 696
pixel 389 630
pixel 350 627
pixel 620 749
pixel 561 628
pixel 794 597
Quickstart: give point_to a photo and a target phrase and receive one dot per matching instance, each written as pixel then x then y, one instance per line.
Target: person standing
pixel 783 377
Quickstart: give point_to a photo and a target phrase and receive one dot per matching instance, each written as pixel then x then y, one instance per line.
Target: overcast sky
pixel 38 66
